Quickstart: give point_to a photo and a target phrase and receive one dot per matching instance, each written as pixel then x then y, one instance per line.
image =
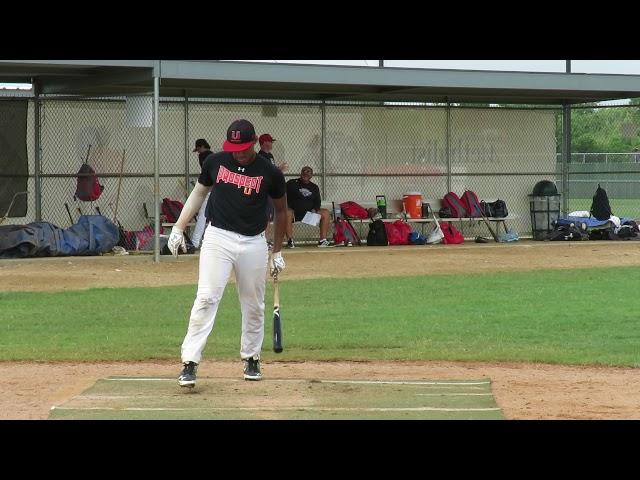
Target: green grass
pixel 586 316
pixel 621 207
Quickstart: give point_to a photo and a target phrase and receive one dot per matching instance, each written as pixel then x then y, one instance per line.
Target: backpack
pixel 472 204
pixel 566 232
pixel 497 209
pixel 600 207
pixel 398 232
pixel 602 234
pixel 632 224
pixel 451 234
pixel 88 188
pixel 353 210
pixel 377 236
pixel 171 209
pixel 455 205
pixel 627 231
pixel 344 233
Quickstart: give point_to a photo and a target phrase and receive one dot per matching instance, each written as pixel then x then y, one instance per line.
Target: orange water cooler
pixel 412 202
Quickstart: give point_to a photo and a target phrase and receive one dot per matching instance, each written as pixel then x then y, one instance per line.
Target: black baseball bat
pixel 486 221
pixel 66 205
pixel 277 320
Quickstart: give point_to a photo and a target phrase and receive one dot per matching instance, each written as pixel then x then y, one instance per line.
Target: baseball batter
pixel 240 181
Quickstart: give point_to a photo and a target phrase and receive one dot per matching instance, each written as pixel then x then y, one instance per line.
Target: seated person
pixel 304 196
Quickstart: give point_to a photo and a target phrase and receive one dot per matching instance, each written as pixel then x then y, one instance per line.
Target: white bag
pixel 436 236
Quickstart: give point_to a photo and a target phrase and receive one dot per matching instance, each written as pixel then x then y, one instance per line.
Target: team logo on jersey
pixel 249 184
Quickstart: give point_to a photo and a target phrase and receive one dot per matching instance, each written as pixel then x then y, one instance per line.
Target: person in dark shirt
pixel 304 196
pixel 204 150
pixel 240 181
pixel 266 145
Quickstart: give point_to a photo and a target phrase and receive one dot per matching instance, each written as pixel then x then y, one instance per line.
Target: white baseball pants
pixel 221 252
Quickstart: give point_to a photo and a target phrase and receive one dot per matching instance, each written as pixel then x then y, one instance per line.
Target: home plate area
pixel 160 398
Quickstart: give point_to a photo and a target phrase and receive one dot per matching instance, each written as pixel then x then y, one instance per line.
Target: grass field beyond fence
pixel 586 316
pixel 620 207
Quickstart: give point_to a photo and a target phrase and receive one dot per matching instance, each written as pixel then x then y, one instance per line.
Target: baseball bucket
pixel 412 202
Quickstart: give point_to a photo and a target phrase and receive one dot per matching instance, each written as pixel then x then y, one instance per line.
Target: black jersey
pixel 267 155
pixel 202 157
pixel 302 197
pixel 238 200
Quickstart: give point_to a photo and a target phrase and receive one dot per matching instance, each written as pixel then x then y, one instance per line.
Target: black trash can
pixel 544 204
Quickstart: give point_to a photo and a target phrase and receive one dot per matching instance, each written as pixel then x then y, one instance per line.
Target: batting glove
pixel 277 264
pixel 176 241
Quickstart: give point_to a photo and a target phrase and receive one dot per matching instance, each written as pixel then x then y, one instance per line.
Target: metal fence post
pixel 156 162
pixel 566 155
pixel 186 146
pixel 448 145
pixel 38 152
pixel 323 149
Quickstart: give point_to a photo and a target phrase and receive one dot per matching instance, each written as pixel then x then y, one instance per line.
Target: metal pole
pixel 186 146
pixel 156 163
pixel 323 149
pixel 381 63
pixel 448 146
pixel 38 152
pixel 566 148
pixel 566 155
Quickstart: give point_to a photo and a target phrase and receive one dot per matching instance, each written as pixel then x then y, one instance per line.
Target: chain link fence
pixel 606 152
pixel 357 151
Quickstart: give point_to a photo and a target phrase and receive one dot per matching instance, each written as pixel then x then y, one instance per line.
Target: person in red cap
pixel 266 146
pixel 240 182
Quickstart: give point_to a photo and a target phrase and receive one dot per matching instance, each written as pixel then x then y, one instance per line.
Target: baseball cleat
pixel 188 376
pixel 252 369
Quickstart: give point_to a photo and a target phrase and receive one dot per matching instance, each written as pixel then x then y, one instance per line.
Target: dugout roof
pixel 239 80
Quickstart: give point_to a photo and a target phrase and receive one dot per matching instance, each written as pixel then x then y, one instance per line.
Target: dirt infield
pixel 73 273
pixel 523 391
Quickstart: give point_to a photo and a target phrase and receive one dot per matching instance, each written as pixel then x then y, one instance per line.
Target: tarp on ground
pixel 92 235
pixel 591 223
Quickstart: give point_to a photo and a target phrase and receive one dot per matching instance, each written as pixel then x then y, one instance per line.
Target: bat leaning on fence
pixel 66 205
pixel 486 221
pixel 277 320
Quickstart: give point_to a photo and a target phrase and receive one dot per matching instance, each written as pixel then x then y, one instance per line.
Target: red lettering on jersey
pixel 241 181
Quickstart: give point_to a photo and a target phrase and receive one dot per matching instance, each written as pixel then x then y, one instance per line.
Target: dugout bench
pixel 167 225
pixel 395 211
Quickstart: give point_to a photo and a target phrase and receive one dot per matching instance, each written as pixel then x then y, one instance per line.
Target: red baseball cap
pixel 240 136
pixel 265 137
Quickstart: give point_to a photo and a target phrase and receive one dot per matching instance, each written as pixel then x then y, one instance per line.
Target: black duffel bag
pixel 445 212
pixel 497 209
